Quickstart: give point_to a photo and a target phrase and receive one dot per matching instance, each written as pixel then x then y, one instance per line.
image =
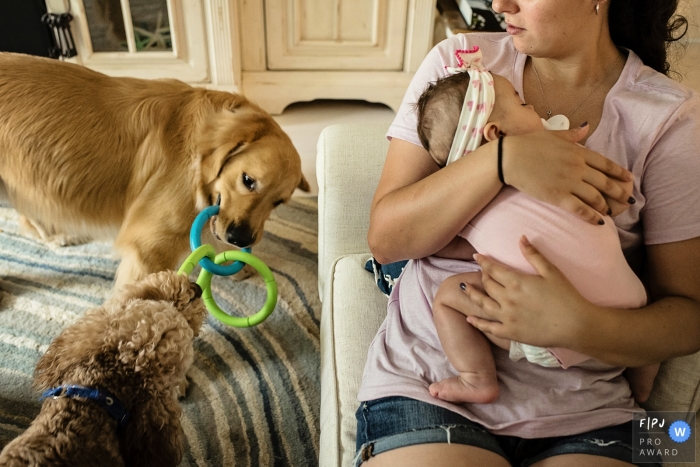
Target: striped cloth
pixel 254 393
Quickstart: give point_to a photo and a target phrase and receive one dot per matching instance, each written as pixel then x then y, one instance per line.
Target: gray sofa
pixel 349 163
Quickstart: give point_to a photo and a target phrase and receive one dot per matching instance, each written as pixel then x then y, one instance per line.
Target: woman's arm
pixel 668 327
pixel 418 208
pixel 528 308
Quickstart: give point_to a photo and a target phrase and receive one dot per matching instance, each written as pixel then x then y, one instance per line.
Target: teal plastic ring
pixel 196 242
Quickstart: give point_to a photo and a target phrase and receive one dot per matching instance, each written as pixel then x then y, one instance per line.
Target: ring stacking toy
pixel 196 242
pixel 206 256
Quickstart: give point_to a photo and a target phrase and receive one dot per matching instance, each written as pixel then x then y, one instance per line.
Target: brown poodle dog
pixel 134 350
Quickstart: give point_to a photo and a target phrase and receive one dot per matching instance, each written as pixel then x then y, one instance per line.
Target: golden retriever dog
pixel 135 350
pixel 88 156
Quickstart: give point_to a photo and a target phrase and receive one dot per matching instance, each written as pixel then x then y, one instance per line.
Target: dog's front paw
pixel 34 229
pixel 30 229
pixel 65 240
pixel 245 273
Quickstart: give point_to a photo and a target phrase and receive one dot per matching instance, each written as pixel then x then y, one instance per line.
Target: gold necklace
pixel 549 112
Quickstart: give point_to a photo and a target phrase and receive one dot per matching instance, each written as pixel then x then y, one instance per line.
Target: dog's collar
pixel 104 399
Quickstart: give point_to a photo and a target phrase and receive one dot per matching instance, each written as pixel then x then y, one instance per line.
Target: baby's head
pixel 440 105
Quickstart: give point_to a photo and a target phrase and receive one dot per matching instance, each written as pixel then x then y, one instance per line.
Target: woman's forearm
pixel 419 209
pixel 668 327
pixel 665 329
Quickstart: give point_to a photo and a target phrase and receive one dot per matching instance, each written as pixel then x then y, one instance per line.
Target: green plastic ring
pixel 195 257
pixel 204 281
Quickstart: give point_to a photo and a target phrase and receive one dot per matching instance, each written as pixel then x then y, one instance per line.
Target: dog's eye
pixel 248 182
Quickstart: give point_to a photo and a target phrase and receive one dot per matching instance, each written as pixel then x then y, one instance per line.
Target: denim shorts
pixel 394 422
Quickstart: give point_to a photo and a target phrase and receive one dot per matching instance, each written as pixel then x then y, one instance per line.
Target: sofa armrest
pixel 348 166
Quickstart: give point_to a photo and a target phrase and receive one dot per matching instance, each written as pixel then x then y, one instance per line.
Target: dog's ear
pixel 212 163
pixel 153 338
pixel 78 343
pixel 303 184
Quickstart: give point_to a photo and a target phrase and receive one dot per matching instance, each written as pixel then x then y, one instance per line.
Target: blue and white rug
pixel 254 393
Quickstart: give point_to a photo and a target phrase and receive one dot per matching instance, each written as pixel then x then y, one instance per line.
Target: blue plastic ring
pixel 196 242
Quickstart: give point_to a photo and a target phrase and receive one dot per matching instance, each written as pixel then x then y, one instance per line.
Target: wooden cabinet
pixel 274 51
pixel 190 40
pixel 300 50
pixel 335 34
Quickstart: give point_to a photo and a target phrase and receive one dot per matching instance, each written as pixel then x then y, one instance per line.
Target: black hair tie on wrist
pixel 500 159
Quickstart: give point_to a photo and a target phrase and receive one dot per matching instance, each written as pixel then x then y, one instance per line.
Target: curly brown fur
pixel 85 155
pixel 137 346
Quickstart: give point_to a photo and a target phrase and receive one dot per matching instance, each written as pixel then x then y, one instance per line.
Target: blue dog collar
pixel 104 399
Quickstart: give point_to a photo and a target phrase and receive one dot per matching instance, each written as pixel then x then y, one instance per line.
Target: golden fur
pixel 84 155
pixel 137 346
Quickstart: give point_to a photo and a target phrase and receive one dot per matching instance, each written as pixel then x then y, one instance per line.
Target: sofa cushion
pixel 348 165
pixel 353 310
pixel 677 385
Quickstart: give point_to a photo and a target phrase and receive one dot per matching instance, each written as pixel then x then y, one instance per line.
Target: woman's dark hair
pixel 647 27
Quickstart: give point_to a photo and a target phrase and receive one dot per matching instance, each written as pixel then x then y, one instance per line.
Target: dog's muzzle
pixel 239 235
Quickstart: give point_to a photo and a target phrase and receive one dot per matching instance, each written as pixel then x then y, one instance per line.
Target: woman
pixel 584 59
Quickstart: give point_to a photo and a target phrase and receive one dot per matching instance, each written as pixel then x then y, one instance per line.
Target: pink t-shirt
pixel 651 125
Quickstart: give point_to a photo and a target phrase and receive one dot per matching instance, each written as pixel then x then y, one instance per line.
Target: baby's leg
pixel 469 352
pixel 641 381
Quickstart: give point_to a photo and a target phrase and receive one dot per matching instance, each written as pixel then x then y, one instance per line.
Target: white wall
pixel 690 62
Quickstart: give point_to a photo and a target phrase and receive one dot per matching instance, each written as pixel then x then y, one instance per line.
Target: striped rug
pixel 254 393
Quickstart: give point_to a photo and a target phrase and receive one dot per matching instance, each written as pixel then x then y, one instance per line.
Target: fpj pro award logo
pixel 663 437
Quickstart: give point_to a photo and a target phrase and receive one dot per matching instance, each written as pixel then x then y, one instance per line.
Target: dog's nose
pixel 239 235
pixel 197 290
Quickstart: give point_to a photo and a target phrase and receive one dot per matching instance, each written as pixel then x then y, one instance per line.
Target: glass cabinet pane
pixel 149 18
pixel 106 24
pixel 151 25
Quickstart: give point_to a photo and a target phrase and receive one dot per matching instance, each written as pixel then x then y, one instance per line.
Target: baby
pixel 454 114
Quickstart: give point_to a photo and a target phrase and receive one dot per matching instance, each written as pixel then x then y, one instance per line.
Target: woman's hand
pixel 618 207
pixel 549 166
pixel 545 310
pixel 542 309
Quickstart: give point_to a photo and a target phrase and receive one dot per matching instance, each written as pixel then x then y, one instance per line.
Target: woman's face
pixel 548 28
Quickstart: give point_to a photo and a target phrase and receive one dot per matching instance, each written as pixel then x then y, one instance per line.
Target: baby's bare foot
pixel 477 388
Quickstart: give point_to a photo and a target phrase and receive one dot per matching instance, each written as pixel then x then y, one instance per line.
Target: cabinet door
pixel 335 34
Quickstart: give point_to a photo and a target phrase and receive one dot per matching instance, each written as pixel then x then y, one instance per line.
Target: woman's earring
pixel 597 7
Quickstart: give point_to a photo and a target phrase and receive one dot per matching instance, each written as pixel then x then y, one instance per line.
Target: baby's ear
pixel 492 131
